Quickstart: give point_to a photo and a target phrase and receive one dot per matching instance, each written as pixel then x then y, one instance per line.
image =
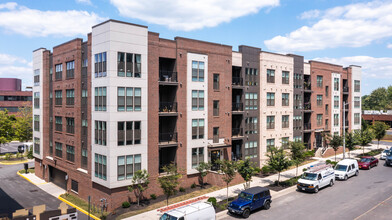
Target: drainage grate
pixel 34 190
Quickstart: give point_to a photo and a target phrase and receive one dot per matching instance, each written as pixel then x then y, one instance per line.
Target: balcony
pixel 345 89
pixel 307 107
pixel 168 138
pixel 346 124
pixel 307 126
pixel 237 81
pixel 168 108
pixel 237 107
pixel 168 77
pixel 237 133
pixel 347 107
pixel 307 86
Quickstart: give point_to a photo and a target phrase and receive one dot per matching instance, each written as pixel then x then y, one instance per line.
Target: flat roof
pixel 117 21
pixel 256 189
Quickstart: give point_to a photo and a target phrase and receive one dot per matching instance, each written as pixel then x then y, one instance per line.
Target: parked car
pixel 25 147
pixel 368 162
pixel 194 211
pixel 249 200
pixel 384 154
pixel 388 160
pixel 317 177
pixel 346 168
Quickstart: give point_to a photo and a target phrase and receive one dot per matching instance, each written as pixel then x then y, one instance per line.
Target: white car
pixel 384 154
pixel 194 211
pixel 346 168
pixel 317 177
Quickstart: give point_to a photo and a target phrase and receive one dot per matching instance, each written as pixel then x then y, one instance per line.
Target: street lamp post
pixel 344 130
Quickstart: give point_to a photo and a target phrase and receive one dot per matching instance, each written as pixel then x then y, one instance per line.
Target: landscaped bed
pixel 94 208
pixel 371 153
pixel 30 170
pixel 283 184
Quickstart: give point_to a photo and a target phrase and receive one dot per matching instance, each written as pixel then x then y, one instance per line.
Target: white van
pixel 194 211
pixel 346 168
pixel 317 177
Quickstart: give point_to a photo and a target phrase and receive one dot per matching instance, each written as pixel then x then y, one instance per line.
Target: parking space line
pixel 372 208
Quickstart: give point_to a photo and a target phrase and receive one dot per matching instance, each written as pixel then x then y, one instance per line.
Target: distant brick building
pixel 11 95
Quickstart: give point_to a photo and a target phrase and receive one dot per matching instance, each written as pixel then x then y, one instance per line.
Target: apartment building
pixel 12 98
pixel 126 100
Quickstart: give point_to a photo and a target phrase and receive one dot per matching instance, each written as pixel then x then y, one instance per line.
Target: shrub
pixel 266 169
pixel 30 153
pixel 193 185
pixel 304 169
pixel 182 189
pixel 153 196
pixel 212 200
pixel 126 205
pixel 7 156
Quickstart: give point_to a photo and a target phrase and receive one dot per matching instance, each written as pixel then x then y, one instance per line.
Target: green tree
pixel 228 168
pixel 169 182
pixel 203 169
pixel 364 137
pixel 297 154
pixel 335 142
pixel 23 124
pixel 247 169
pixel 140 181
pixel 351 141
pixel 277 160
pixel 380 130
pixel 6 131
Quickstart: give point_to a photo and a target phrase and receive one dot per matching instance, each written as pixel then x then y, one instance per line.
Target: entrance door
pixel 215 156
pixel 57 177
pixel 319 140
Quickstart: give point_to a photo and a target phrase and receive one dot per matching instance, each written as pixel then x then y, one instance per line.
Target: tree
pixel 6 131
pixel 169 182
pixel 379 129
pixel 277 160
pixel 351 141
pixel 247 169
pixel 363 137
pixel 203 169
pixel 140 181
pixel 297 154
pixel 335 142
pixel 23 125
pixel 228 168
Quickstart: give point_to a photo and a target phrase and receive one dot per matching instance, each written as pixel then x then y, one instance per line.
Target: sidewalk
pixel 257 181
pixel 50 188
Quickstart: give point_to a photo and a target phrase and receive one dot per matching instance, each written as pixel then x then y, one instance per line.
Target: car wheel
pixel 267 205
pixel 345 177
pixel 356 173
pixel 316 189
pixel 246 213
pixel 331 183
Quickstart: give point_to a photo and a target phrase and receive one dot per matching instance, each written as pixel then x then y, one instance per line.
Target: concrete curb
pixel 14 163
pixel 78 208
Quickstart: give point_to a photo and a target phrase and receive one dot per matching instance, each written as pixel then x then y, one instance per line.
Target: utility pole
pixel 344 130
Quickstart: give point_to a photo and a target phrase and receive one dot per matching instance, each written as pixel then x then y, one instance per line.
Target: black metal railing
pixel 167 76
pixel 345 89
pixel 307 86
pixel 237 132
pixel 168 107
pixel 238 106
pixel 307 106
pixel 168 137
pixel 307 126
pixel 237 81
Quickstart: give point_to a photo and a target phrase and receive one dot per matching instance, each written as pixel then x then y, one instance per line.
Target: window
pixel 357 102
pixel 100 133
pixel 127 166
pixel 85 63
pixel 84 96
pixel 298 101
pixel 70 125
pixel 357 118
pixel 326 109
pixel 100 166
pixel 70 153
pixel 59 149
pixel 285 77
pixel 336 102
pixel 216 81
pixel 251 101
pixel 319 100
pixel 285 142
pixel 250 149
pixel 128 132
pixel 270 122
pixel 129 99
pixel 270 99
pixel 336 84
pixel 197 100
pixel 297 122
pixel 298 81
pixel 216 108
pixel 36 77
pixel 84 126
pixel 84 158
pixel 297 138
pixel 251 76
pixel 70 96
pixel 36 99
pixel 319 119
pixel 326 90
pixel 270 143
pixel 197 156
pixel 270 76
pixel 285 121
pixel 100 99
pixel 74 186
pixel 251 125
pixel 357 86
pixel 59 71
pixel 197 128
pixel 58 94
pixel 37 145
pixel 36 122
pixel 70 69
pixel 285 99
pixel 128 65
pixel 336 119
pixel 198 71
pixel 320 81
pixel 215 135
pixel 59 123
pixel 50 148
pixel 100 64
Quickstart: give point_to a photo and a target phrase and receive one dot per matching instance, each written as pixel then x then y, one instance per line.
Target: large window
pixel 216 108
pixel 270 122
pixel 270 76
pixel 59 72
pixel 100 166
pixel 70 69
pixel 36 99
pixel 59 123
pixel 128 65
pixel 336 102
pixel 285 121
pixel 36 77
pixel 128 132
pixel 70 96
pixel 336 84
pixel 319 100
pixel 320 81
pixel 251 76
pixel 59 149
pixel 336 119
pixel 70 125
pixel 84 158
pixel 297 122
pixel 197 156
pixel 357 86
pixel 270 143
pixel 128 165
pixel 100 64
pixel 58 94
pixel 197 100
pixel 357 102
pixel 285 142
pixel 216 81
pixel 197 128
pixel 357 119
pixel 285 77
pixel 37 145
pixel 250 149
pixel 298 81
pixel 251 101
pixel 84 96
pixel 319 119
pixel 100 133
pixel 100 99
pixel 129 99
pixel 270 99
pixel 285 99
pixel 197 71
pixel 70 153
pixel 251 126
pixel 36 122
pixel 297 101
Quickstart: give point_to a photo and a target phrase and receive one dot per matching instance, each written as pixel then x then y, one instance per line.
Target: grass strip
pixel 83 205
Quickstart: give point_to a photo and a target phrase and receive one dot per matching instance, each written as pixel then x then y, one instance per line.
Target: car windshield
pixel 167 217
pixel 386 151
pixel 245 196
pixel 365 160
pixel 341 167
pixel 309 176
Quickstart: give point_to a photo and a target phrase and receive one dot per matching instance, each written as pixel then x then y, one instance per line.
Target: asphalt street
pixel 17 193
pixel 367 196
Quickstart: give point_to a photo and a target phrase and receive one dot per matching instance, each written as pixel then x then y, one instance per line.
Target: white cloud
pixel 189 14
pixel 16 67
pixel 32 22
pixel 354 25
pixel 389 46
pixel 310 14
pixel 87 2
pixel 8 5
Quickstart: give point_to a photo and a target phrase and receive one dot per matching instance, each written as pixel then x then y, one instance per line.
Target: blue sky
pixel 338 31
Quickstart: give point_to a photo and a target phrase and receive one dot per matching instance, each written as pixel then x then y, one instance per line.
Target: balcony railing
pixel 238 81
pixel 167 76
pixel 168 107
pixel 345 89
pixel 346 124
pixel 238 106
pixel 307 126
pixel 236 157
pixel 347 107
pixel 307 86
pixel 215 139
pixel 167 137
pixel 237 132
pixel 307 106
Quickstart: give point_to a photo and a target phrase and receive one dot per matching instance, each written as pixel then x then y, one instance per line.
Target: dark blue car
pixel 388 159
pixel 249 200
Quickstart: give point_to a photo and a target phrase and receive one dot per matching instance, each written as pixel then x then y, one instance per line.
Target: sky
pixel 344 32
